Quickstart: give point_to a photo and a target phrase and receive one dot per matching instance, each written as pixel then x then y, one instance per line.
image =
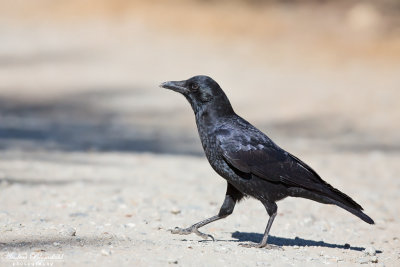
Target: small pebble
pixel 175 211
pixel 370 251
pixel 56 244
pixel 363 260
pixel 374 259
pixel 172 261
pixel 105 252
pixel 130 225
pixel 70 231
pixel 339 259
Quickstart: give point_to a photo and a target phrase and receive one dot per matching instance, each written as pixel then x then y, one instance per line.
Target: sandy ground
pixel 122 205
pixel 97 162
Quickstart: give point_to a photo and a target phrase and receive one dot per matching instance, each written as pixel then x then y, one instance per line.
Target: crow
pixel 251 163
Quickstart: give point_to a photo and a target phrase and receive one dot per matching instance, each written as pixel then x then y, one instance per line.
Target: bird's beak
pixel 175 86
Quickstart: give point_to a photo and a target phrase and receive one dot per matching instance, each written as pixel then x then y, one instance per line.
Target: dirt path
pixel 118 208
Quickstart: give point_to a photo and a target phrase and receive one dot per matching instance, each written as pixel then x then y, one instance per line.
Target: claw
pixel 180 231
pixel 191 230
pixel 203 235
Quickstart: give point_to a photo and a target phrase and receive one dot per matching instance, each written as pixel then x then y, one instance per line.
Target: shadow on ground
pixel 49 242
pixel 281 241
pixel 109 120
pixel 49 182
pixel 87 121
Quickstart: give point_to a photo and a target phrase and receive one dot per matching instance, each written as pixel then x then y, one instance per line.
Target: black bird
pixel 252 164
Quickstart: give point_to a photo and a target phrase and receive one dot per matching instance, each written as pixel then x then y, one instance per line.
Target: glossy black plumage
pixel 252 164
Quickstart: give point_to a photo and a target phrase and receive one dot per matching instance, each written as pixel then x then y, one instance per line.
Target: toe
pixel 174 231
pixel 259 245
pixel 178 231
pixel 268 246
pixel 203 235
pixel 248 245
pixel 190 230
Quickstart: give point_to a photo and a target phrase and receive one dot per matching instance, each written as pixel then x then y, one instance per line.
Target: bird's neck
pixel 218 107
pixel 213 112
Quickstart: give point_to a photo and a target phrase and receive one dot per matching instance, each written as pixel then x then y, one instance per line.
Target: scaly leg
pixel 272 209
pixel 231 197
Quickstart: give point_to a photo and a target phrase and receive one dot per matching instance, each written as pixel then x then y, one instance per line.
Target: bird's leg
pixel 272 209
pixel 232 195
pixel 194 229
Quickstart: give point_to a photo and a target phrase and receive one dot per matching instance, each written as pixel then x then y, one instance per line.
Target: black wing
pixel 250 151
pixel 267 161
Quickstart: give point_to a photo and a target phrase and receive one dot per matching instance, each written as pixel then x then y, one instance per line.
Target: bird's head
pixel 201 92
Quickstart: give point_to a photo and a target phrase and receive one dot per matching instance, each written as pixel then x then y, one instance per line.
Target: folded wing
pixel 259 156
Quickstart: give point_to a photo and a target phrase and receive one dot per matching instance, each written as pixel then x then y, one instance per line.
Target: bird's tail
pixel 337 198
pixel 358 212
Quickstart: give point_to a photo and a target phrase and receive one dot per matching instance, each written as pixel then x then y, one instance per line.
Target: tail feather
pixel 356 212
pixel 343 198
pixel 321 187
pixel 335 197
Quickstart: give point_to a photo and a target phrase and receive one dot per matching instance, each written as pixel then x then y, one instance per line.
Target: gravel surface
pixel 114 208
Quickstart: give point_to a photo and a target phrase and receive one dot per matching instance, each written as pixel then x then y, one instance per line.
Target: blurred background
pixel 83 75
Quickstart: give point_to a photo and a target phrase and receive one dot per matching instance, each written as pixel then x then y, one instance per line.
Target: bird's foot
pixel 190 230
pixel 260 245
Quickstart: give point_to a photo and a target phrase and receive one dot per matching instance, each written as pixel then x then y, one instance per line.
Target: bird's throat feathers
pixel 208 117
pixel 213 110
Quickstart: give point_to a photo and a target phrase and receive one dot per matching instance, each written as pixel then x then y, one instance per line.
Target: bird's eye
pixel 194 86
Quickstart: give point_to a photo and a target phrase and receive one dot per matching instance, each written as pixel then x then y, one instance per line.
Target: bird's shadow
pixel 282 241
